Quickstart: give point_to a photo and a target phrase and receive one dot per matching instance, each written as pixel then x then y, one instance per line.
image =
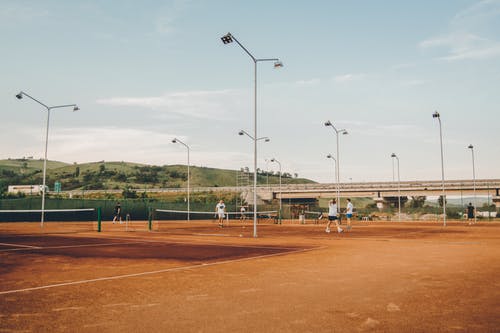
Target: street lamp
pixel 20 95
pixel 337 171
pixel 334 166
pixel 227 39
pixel 471 147
pixel 175 140
pixel 399 187
pixel 275 160
pixel 265 139
pixel 436 115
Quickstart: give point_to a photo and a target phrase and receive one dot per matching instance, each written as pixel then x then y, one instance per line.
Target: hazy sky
pixel 144 72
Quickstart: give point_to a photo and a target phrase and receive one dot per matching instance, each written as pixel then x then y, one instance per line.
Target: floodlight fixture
pixel 436 115
pixel 76 108
pixel 226 39
pixel 20 95
pixel 278 64
pixel 174 140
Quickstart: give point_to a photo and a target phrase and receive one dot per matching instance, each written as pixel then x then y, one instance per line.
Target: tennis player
pixel 348 213
pixel 118 213
pixel 333 216
pixel 220 209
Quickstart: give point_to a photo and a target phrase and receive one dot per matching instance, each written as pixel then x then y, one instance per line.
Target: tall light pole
pixel 175 140
pixel 337 171
pixel 254 139
pixel 334 166
pixel 20 95
pixel 471 147
pixel 436 115
pixel 399 187
pixel 227 39
pixel 275 160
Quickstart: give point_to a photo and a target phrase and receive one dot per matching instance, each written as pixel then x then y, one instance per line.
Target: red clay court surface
pixel 196 277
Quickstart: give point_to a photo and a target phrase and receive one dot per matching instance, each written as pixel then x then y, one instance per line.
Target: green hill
pixel 120 175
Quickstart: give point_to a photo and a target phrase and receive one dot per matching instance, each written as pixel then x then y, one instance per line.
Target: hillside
pixel 120 175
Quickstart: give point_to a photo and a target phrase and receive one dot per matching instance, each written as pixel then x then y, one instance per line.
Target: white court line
pixel 174 269
pixel 19 245
pixel 27 247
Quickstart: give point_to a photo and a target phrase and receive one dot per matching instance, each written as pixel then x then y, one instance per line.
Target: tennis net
pixel 55 220
pixel 168 218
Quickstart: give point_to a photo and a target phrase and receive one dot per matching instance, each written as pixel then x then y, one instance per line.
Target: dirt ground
pixel 196 277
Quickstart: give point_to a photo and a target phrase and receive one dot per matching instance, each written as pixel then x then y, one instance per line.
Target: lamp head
pixel 471 147
pixel 328 123
pixel 267 139
pixel 228 38
pixel 273 159
pixel 76 108
pixel 20 95
pixel 343 131
pixel 393 155
pixel 278 64
pixel 435 114
pixel 241 132
pixel 329 156
pixel 174 140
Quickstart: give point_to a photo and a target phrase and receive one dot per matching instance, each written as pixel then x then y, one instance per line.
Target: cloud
pixel 165 21
pixel 198 104
pixel 21 13
pixel 348 77
pixel 477 14
pixel 462 46
pixel 310 82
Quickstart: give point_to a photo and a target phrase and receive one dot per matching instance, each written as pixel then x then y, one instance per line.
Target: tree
pixel 77 172
pixel 440 201
pixel 418 201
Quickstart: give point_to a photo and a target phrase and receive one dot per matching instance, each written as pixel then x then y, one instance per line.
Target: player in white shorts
pixel 348 213
pixel 333 216
pixel 220 210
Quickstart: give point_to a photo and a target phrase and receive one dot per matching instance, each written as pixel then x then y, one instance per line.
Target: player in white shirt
pixel 333 216
pixel 348 213
pixel 220 210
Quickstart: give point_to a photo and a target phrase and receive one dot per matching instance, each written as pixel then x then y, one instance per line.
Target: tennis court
pixel 197 277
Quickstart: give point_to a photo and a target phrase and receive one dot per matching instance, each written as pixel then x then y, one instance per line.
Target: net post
pixel 99 219
pixel 150 219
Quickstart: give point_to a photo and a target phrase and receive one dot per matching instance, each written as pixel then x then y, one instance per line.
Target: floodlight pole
pixel 226 39
pixel 175 140
pixel 471 147
pixel 399 186
pixel 438 116
pixel 49 108
pixel 275 160
pixel 334 166
pixel 337 171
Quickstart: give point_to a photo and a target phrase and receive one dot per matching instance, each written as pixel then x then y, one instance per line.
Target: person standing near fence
pixel 118 213
pixel 470 213
pixel 333 216
pixel 220 210
pixel 348 213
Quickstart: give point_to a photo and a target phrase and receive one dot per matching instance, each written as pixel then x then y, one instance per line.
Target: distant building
pixel 27 189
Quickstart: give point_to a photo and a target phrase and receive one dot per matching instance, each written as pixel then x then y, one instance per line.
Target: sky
pixel 145 72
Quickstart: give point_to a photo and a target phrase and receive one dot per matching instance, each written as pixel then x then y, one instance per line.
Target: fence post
pixel 98 219
pixel 150 219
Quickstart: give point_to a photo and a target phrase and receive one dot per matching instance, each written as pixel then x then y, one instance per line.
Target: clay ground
pixel 196 277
